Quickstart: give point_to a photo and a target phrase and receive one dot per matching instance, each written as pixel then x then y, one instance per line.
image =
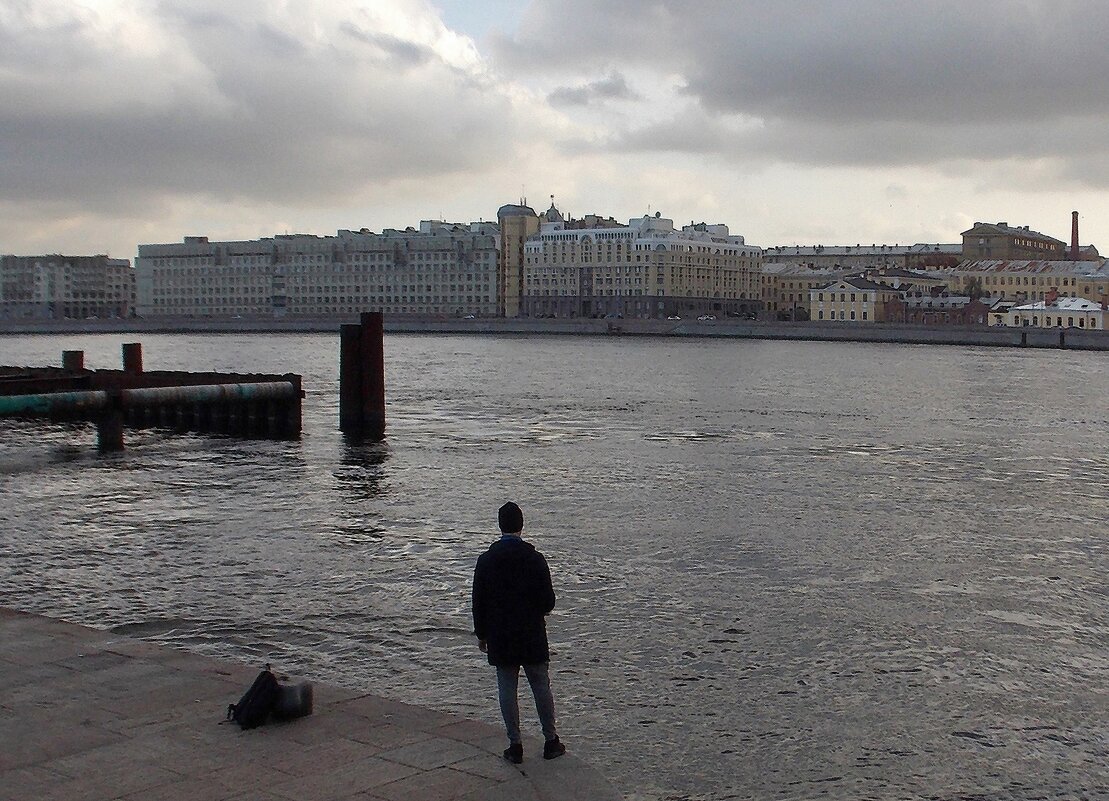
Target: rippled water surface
pixel 785 570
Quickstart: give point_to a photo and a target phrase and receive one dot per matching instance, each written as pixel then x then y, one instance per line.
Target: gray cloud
pixel 230 104
pixel 872 82
pixel 614 87
pixel 403 53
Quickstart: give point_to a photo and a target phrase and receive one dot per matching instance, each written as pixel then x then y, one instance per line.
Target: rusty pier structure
pixel 362 378
pixel 229 404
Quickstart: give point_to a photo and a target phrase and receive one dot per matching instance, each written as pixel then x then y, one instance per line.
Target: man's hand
pixel 483 645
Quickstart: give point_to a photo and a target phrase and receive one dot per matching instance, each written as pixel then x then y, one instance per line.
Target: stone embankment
pixel 91 715
pixel 993 336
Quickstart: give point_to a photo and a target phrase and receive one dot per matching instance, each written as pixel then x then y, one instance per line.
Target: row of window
pixel 1058 322
pixel 867 297
pixel 323 269
pixel 310 300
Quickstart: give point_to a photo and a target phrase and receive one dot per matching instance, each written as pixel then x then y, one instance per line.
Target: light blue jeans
pixel 508 680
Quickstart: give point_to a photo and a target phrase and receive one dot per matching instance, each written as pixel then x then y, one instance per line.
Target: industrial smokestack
pixel 1074 236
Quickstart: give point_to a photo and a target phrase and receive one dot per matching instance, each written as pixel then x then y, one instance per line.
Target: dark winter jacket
pixel 512 594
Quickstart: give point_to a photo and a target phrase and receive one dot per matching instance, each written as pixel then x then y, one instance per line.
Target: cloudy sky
pixel 793 121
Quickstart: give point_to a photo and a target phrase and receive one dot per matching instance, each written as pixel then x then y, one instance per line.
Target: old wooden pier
pixel 232 404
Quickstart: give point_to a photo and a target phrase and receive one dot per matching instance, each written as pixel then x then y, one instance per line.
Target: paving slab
pixel 96 716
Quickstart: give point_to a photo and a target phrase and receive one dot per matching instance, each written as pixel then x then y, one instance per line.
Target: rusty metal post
pixel 132 357
pixel 109 427
pixel 373 374
pixel 350 378
pixel 293 408
pixel 73 359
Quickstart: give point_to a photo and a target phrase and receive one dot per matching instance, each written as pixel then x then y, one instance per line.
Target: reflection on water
pixel 786 570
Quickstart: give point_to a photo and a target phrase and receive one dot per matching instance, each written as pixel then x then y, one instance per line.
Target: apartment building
pixel 1003 241
pixel 1031 280
pixel 848 258
pixel 55 287
pixel 597 267
pixel 853 299
pixel 441 269
pixel 785 287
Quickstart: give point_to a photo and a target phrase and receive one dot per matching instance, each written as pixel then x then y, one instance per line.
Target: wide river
pixel 785 570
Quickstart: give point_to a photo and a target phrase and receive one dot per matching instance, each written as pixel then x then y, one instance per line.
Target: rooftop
pixel 1061 304
pixel 1004 229
pixel 1088 268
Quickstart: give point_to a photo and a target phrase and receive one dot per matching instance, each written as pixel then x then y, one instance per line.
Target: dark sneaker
pixel 553 749
pixel 515 753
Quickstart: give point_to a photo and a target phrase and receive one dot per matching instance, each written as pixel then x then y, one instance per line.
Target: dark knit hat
pixel 511 518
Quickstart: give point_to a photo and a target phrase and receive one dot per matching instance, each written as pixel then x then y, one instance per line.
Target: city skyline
pixel 127 123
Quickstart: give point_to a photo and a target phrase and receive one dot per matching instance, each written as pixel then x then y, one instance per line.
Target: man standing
pixel 512 596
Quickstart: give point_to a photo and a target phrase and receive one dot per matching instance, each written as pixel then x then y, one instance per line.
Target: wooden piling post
pixel 109 428
pixel 350 378
pixel 373 374
pixel 73 359
pixel 362 377
pixel 291 412
pixel 132 357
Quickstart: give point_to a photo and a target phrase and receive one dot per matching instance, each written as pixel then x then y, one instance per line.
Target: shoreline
pixel 983 336
pixel 96 715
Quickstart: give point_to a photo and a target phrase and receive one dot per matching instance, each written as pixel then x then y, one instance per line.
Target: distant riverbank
pixel 1070 338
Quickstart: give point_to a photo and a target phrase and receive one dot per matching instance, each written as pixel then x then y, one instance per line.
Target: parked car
pixel 705 317
pixel 469 317
pixel 674 317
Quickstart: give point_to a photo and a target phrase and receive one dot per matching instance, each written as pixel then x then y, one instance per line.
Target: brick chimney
pixel 1074 236
pixel 1052 296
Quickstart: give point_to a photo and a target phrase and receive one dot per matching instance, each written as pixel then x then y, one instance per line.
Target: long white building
pixel 442 269
pixel 1057 312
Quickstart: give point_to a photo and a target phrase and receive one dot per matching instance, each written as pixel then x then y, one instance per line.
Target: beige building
pixel 848 258
pixel 517 223
pixel 853 300
pixel 58 287
pixel 597 267
pixel 785 287
pixel 442 269
pixel 1031 280
pixel 1003 241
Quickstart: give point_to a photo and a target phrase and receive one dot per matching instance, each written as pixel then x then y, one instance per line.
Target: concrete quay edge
pixel 88 714
pixel 725 328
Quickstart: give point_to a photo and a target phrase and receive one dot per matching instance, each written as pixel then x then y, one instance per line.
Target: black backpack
pixel 257 703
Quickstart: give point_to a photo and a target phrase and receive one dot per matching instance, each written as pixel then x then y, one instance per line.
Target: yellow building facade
pixel 852 300
pixel 784 288
pixel 644 269
pixel 1031 280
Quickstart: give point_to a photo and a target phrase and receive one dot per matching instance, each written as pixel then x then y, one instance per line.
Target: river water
pixel 785 570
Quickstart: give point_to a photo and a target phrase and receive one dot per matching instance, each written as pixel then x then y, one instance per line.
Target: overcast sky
pixel 857 121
